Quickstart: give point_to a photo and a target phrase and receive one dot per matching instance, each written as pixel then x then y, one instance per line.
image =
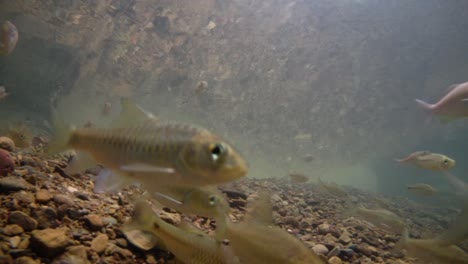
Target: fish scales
pixel 148 141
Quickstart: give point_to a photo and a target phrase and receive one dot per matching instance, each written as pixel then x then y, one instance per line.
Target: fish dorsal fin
pixel 131 114
pixel 260 211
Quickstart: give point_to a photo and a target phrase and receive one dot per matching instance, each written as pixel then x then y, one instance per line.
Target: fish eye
pixel 216 151
pixel 212 200
pixel 446 161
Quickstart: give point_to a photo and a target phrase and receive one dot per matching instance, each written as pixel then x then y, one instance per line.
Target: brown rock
pixel 99 243
pixel 94 221
pixel 23 220
pixel 323 229
pixel 12 230
pixel 25 260
pixel 7 164
pixel 75 255
pixel 345 238
pixel 12 183
pixel 335 260
pixel 49 242
pixel 63 199
pixel 7 144
pixel 320 249
pixel 43 196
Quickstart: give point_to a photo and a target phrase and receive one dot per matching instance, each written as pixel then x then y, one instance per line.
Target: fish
pixel 332 188
pixel 298 177
pixel 256 240
pixel 106 109
pixel 200 88
pixel 381 218
pixel 453 104
pixel 3 92
pixel 429 161
pixel 149 151
pixel 21 134
pixel 422 189
pixel 457 231
pixel 308 158
pixel 189 246
pixel 203 201
pixel 8 38
pixel 429 251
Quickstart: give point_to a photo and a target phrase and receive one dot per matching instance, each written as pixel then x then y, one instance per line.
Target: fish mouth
pixel 233 170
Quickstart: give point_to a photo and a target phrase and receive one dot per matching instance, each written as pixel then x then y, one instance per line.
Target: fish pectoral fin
pixel 110 181
pixel 80 162
pixel 145 168
pixel 168 198
pixel 260 211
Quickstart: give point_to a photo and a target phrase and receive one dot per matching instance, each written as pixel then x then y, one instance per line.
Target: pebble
pixel 94 222
pixel 25 260
pixel 99 243
pixel 71 189
pixel 345 238
pixel 320 249
pixel 43 196
pixel 24 197
pixel 50 243
pixel 323 229
pixel 14 241
pixel 63 199
pixel 12 183
pixel 7 143
pixel 23 220
pixel 335 260
pixel 12 230
pixel 74 255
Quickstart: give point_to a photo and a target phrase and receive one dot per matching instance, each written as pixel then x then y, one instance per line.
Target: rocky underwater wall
pixel 285 78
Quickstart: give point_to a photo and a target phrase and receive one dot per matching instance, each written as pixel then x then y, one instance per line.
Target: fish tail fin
pixel 424 105
pixel 143 218
pixel 62 132
pixel 400 245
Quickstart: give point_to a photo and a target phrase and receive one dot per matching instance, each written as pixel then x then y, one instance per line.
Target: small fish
pixel 8 38
pixel 257 241
pixel 21 134
pixel 333 189
pixel 422 189
pixel 106 109
pixel 189 246
pixel 308 158
pixel 453 104
pixel 298 177
pixel 150 152
pixel 381 218
pixel 203 201
pixel 199 89
pixel 429 251
pixel 3 92
pixel 429 161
